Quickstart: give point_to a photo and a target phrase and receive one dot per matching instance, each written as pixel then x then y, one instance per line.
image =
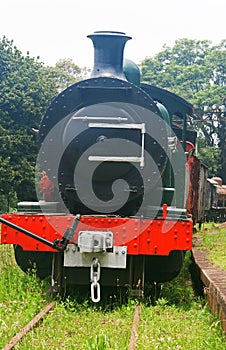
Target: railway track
pixel 141 327
pixel 28 327
pixel 134 328
pixel 44 312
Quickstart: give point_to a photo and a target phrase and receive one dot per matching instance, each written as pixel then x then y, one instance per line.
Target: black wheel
pixel 197 283
pixel 30 261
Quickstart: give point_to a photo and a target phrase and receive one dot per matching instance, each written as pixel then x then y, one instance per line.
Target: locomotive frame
pixel 144 240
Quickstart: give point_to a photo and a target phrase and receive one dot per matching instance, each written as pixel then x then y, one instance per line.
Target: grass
pixel 178 321
pixel 170 327
pixel 21 296
pixel 82 327
pixel 213 239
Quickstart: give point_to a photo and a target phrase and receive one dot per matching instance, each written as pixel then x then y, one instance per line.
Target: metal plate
pixel 115 260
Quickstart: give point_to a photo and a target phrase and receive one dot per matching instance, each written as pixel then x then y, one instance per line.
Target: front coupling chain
pixel 94 278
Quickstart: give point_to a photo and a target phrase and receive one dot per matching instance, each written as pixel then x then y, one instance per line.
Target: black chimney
pixel 108 54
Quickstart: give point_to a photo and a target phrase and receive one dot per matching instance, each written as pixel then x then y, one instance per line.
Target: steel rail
pixel 135 325
pixel 28 327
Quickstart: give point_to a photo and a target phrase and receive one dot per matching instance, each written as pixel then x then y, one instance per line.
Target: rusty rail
pixel 136 320
pixel 28 327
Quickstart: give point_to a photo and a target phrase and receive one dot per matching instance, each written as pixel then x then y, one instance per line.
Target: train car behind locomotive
pixel 215 206
pixel 197 191
pixel 115 181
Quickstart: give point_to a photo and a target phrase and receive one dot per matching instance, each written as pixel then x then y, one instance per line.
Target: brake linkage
pixel 58 244
pixel 61 244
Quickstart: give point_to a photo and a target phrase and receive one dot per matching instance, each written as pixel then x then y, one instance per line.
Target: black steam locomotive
pixel 112 150
pixel 120 122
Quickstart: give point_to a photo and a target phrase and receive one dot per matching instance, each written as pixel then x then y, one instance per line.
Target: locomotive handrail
pixel 58 244
pixel 134 126
pixel 125 88
pixel 85 118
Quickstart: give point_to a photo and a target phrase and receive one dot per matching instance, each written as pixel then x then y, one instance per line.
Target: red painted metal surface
pixel 141 236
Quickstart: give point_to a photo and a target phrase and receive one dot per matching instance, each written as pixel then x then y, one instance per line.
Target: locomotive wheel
pixel 159 269
pixel 30 261
pixel 197 283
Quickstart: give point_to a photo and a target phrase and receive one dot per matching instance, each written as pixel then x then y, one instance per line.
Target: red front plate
pixel 141 236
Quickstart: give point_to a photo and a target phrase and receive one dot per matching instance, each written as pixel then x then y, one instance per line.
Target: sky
pixel 58 29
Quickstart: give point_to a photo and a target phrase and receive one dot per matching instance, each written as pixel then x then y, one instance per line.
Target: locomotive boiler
pixel 115 181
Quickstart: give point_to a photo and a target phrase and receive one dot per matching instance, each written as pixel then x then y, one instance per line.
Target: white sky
pixel 56 29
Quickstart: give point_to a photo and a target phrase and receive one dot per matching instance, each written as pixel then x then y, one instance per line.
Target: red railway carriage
pixel 197 189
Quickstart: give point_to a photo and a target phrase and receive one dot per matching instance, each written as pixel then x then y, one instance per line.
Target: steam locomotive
pixel 113 153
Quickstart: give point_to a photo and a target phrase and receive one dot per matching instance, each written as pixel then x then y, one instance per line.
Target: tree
pixel 210 155
pixel 25 93
pixel 66 73
pixel 27 87
pixel 195 70
pixel 181 68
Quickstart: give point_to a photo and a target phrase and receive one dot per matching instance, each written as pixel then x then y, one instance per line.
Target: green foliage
pixel 25 94
pixel 17 162
pixel 195 70
pixel 210 155
pixel 25 88
pixel 188 67
pixel 180 68
pixel 208 97
pixel 66 73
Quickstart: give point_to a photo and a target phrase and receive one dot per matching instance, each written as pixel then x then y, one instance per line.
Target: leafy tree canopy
pixel 66 73
pixel 188 68
pixel 25 93
pixel 195 70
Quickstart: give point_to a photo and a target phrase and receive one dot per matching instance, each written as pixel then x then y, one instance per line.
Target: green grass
pixel 170 327
pixel 214 240
pixel 21 296
pixel 83 327
pixel 178 321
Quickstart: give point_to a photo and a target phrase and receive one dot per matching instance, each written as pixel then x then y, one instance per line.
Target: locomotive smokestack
pixel 108 54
